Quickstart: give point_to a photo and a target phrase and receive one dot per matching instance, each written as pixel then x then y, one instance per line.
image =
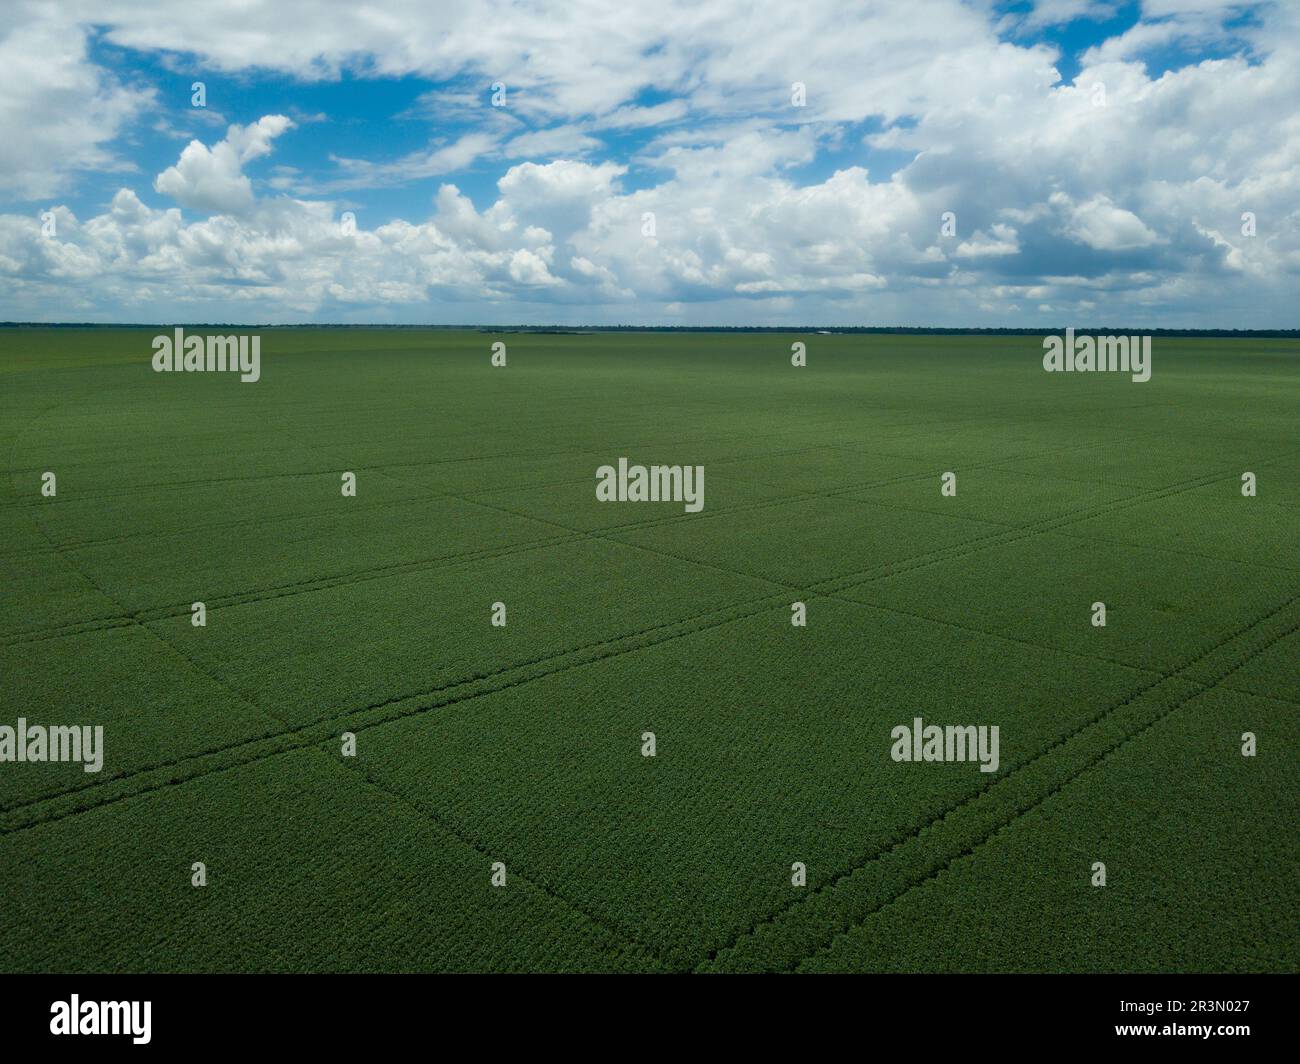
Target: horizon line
pixel 936 330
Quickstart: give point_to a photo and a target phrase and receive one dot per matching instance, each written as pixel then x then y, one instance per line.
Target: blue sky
pixel 945 162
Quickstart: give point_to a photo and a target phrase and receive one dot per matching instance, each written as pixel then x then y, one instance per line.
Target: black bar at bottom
pixel 342 1012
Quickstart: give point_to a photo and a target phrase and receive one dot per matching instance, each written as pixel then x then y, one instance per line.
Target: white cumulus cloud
pixel 212 179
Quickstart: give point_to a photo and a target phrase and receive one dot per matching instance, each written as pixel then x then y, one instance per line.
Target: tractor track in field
pixel 838 585
pixel 1049 524
pixel 126 618
pixel 257 748
pixel 1057 788
pixel 314 733
pixel 251 594
pixel 914 835
pixel 586 653
pixel 305 586
pixel 629 941
pixel 153 487
pixel 825 588
pixel 256 594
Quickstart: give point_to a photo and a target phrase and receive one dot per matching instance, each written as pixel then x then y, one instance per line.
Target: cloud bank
pixel 654 167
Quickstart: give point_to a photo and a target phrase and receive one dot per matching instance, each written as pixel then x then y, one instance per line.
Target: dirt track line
pixel 386 712
pixel 913 833
pixel 769 603
pixel 1052 791
pixel 120 620
pixel 610 929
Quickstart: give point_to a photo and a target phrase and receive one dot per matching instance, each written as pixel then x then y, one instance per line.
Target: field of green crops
pixel 523 744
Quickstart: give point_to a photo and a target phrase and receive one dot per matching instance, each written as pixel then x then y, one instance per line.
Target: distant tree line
pixel 573 330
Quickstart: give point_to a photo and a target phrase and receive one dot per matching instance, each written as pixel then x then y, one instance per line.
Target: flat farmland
pixel 473 716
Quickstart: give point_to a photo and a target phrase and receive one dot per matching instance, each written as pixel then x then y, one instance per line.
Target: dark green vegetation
pixel 478 744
